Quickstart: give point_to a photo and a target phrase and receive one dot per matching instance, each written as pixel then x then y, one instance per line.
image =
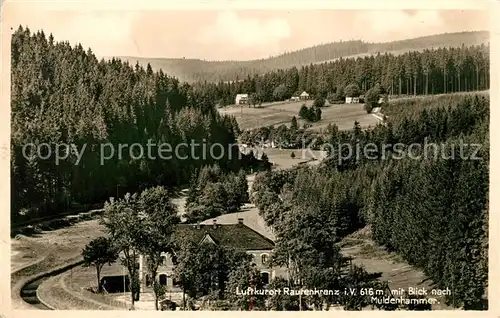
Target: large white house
pixel 241 99
pixel 238 236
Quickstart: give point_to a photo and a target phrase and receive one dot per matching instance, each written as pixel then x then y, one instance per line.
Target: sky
pixel 232 34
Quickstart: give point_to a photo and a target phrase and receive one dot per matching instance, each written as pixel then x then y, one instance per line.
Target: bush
pixel 312 114
pixel 168 305
pixel 368 107
pixel 336 98
pixel 352 90
pixel 304 111
pixel 319 101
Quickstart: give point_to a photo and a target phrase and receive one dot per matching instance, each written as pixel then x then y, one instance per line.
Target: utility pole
pixel 124 289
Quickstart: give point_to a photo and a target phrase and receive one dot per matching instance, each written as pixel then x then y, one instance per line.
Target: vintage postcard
pixel 238 156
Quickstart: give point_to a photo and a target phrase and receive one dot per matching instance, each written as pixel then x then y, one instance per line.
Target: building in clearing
pixel 352 100
pixel 304 95
pixel 241 99
pixel 239 236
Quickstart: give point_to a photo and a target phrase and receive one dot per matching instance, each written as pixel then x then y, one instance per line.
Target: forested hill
pixel 192 70
pixel 63 95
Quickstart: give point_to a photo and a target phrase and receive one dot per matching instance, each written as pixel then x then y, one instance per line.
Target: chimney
pixel 240 220
pixel 215 223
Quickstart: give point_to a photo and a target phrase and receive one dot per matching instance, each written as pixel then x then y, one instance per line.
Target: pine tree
pixel 294 125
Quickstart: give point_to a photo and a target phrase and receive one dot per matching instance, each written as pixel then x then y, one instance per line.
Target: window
pixel 163 280
pixel 164 260
pixel 148 280
pixel 264 259
pixel 265 278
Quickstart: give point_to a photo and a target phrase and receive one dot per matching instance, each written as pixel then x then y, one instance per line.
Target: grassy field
pixel 343 115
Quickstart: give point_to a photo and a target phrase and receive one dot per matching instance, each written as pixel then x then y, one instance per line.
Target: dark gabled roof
pixel 232 235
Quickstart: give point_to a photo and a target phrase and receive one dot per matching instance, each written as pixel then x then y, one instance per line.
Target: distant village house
pixel 304 95
pixel 241 99
pixel 352 100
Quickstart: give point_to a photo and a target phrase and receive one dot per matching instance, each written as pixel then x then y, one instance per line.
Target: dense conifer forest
pixel 195 70
pixel 65 95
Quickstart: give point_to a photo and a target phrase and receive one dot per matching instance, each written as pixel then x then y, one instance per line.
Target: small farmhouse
pixel 238 236
pixel 304 95
pixel 352 100
pixel 241 99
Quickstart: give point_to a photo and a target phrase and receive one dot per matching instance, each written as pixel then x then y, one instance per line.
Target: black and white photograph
pixel 232 158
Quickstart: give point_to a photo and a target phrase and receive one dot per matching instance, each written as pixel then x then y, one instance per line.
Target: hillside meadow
pixel 343 115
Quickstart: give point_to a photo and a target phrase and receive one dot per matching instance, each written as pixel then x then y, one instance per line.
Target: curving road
pixel 28 294
pixel 28 291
